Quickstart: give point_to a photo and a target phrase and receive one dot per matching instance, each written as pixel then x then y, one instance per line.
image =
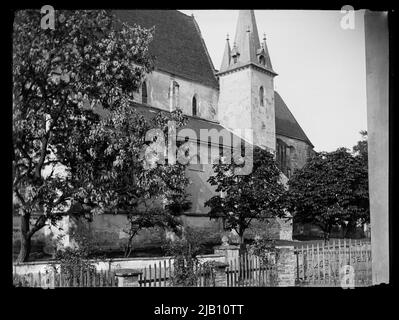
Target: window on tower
pixel 261 96
pixel 194 106
pixel 144 93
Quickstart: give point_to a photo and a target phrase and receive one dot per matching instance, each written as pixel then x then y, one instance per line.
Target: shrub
pixel 184 252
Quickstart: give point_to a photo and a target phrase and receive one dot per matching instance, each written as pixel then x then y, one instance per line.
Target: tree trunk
pixel 350 229
pixel 327 233
pixel 243 248
pixel 24 251
pixel 326 237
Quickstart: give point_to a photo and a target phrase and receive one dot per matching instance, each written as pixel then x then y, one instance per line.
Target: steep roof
pixel 193 123
pixel 177 43
pixel 286 124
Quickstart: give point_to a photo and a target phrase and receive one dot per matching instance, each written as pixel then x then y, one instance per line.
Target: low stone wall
pixel 108 264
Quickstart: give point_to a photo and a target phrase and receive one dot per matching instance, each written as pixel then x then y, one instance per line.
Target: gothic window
pixel 282 156
pixel 195 110
pixel 261 96
pixel 174 95
pixel 144 93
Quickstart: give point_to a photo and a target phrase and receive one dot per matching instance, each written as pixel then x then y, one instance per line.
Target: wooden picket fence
pixel 156 275
pixel 58 278
pixel 244 271
pixel 327 265
pixel 249 271
pixel 160 275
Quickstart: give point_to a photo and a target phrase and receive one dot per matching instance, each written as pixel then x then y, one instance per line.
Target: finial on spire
pixel 264 36
pixel 227 37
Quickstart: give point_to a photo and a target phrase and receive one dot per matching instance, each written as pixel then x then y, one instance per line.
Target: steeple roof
pixel 247 45
pixel 226 55
pixel 247 42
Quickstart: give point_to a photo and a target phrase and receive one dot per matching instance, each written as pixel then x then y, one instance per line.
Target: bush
pixel 74 261
pixel 266 250
pixel 184 252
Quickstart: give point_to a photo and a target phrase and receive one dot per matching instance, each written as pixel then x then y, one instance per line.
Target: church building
pixel 239 95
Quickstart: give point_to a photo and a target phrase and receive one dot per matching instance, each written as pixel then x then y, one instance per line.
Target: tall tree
pixel 330 190
pixel 69 157
pixel 245 198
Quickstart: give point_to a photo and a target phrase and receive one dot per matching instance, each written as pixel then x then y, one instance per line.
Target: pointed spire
pixel 226 56
pixel 247 48
pixel 246 37
pixel 267 56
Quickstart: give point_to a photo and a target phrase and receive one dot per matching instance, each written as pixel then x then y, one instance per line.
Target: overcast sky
pixel 320 66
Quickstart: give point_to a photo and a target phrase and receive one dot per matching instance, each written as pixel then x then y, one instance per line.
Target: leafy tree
pixel 76 138
pixel 244 198
pixel 361 148
pixel 330 190
pixel 151 193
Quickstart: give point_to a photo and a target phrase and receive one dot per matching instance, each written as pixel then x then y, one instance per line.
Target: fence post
pixel 285 266
pixel 220 274
pixel 297 264
pixel 229 251
pixel 128 277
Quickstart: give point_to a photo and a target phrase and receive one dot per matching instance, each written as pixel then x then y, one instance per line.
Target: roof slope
pixel 177 43
pixel 286 124
pixel 194 123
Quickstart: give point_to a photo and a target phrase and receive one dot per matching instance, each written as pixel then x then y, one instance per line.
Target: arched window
pixel 282 155
pixel 261 96
pixel 262 60
pixel 195 106
pixel 174 95
pixel 144 93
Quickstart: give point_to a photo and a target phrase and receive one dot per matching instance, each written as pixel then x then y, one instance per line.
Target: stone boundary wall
pixel 113 264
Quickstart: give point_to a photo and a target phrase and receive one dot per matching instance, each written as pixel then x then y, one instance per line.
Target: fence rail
pixel 315 265
pixel 327 265
pixel 54 278
pixel 250 271
pixel 245 270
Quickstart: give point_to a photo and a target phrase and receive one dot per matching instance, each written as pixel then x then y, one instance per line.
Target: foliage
pixel 184 252
pixel 266 250
pixel 331 189
pixel 76 260
pixel 361 148
pixel 268 254
pixel 152 194
pixel 246 197
pixel 78 143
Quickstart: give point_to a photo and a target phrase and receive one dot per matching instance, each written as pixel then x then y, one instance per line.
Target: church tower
pixel 246 96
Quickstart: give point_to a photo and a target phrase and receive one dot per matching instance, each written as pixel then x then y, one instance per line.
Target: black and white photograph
pixel 200 148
